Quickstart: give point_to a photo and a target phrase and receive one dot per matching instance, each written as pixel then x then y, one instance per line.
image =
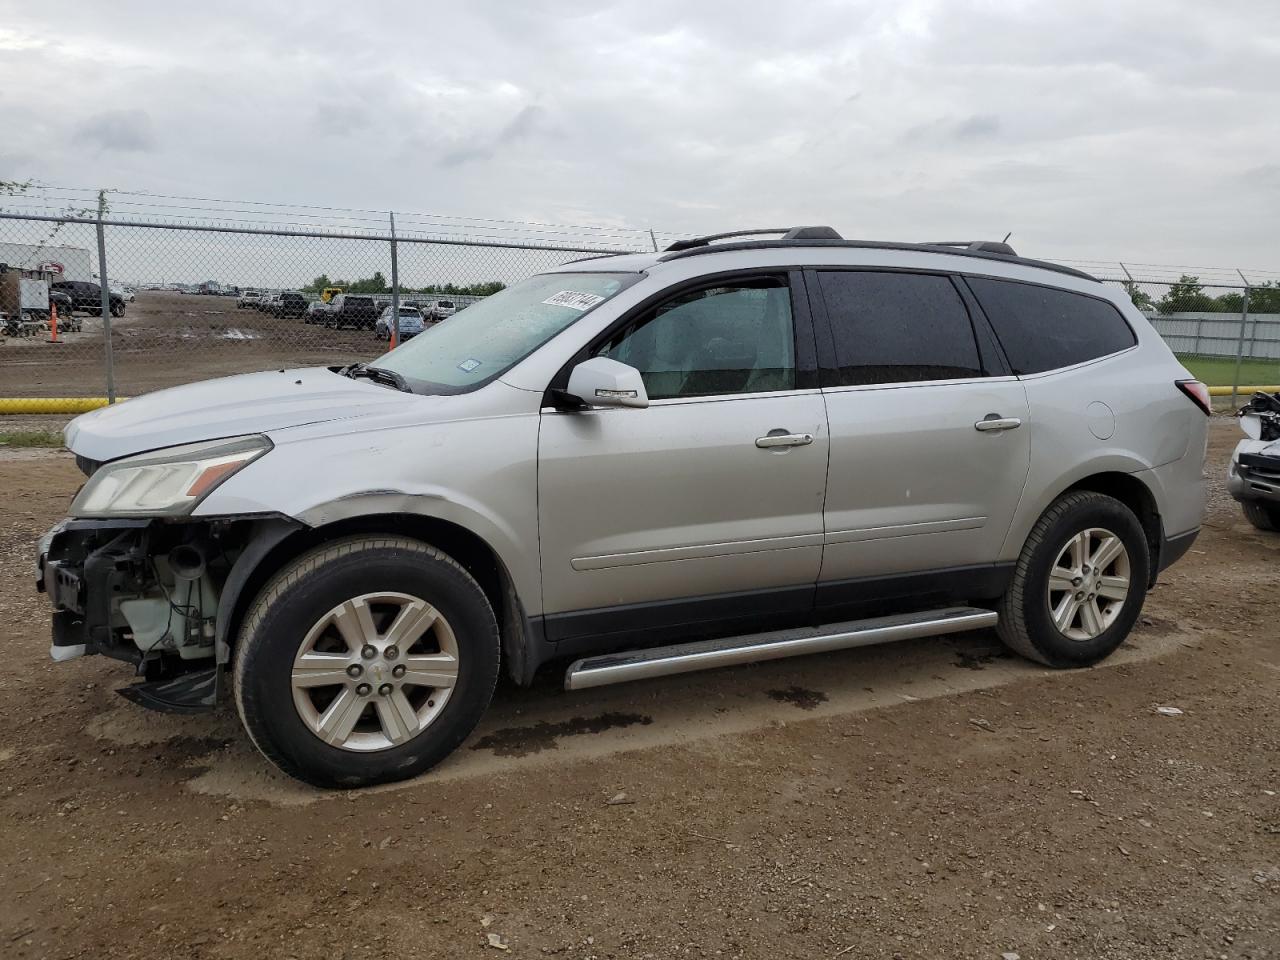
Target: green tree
pixel 375 284
pixel 1186 296
pixel 1141 299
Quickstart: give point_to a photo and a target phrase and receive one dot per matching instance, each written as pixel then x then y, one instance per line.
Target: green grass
pixel 31 438
pixel 1219 371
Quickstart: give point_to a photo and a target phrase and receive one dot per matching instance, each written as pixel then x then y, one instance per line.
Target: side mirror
pixel 601 382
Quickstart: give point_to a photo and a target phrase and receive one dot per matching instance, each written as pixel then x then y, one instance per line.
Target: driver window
pixel 731 338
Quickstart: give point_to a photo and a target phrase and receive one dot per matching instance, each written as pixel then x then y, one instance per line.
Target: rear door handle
pixel 784 440
pixel 992 422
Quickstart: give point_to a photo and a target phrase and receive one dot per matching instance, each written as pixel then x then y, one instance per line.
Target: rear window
pixel 445 303
pixel 898 328
pixel 1042 328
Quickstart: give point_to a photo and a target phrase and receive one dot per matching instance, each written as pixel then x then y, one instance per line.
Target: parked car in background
pixel 268 303
pixel 316 311
pixel 760 447
pixel 249 298
pixel 127 294
pixel 351 310
pixel 289 304
pixel 442 309
pixel 86 297
pixel 411 323
pixel 1253 476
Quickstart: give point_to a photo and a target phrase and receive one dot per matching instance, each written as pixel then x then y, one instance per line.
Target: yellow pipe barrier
pixel 38 405
pixel 1242 391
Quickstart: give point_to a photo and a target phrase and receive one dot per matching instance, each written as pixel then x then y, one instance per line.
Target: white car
pixel 441 309
pixel 127 294
pixel 411 323
pixel 249 298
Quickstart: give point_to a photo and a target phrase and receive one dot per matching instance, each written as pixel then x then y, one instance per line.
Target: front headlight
pixel 165 483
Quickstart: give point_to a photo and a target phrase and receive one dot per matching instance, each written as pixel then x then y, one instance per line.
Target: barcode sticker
pixel 573 300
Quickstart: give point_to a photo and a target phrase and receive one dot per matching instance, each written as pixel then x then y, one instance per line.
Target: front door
pixel 705 506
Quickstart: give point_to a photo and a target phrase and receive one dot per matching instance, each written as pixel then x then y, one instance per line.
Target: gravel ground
pixel 924 800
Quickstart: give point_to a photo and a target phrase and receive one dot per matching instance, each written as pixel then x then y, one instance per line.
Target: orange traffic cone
pixel 53 323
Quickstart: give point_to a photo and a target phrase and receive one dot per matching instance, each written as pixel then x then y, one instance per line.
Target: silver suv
pixel 732 450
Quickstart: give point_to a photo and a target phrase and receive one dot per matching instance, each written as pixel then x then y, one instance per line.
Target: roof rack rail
pixel 788 233
pixel 977 246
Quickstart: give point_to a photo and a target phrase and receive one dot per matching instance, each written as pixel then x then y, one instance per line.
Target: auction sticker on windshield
pixel 574 300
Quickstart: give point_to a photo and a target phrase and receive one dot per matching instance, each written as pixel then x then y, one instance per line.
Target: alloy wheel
pixel 375 671
pixel 1088 584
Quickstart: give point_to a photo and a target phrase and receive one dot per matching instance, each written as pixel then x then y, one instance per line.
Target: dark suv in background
pixel 351 310
pixel 87 297
pixel 289 304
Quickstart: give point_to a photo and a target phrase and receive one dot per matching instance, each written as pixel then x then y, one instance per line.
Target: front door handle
pixel 993 421
pixel 784 440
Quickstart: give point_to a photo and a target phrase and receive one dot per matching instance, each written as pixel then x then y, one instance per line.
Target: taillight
pixel 1198 393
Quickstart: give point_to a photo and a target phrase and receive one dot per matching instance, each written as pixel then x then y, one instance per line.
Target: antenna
pixel 1007 236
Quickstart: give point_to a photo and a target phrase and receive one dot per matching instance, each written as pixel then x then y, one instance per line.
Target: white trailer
pixel 73 263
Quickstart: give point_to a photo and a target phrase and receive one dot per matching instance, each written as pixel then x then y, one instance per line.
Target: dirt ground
pixel 936 799
pixel 165 339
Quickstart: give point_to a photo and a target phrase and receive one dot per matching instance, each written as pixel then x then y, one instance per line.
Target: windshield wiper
pixel 377 375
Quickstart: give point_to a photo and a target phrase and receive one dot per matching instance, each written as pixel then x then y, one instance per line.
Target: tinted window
pixel 898 328
pixel 735 338
pixel 1042 329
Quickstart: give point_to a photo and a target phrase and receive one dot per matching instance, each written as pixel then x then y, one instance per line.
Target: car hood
pixel 228 407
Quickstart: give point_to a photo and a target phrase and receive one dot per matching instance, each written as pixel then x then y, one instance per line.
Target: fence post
pixel 104 291
pixel 1244 322
pixel 394 338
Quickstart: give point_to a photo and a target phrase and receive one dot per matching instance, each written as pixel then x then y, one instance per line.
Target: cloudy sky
pixel 1136 129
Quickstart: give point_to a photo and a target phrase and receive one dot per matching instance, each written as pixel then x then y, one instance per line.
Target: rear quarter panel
pixel 1124 414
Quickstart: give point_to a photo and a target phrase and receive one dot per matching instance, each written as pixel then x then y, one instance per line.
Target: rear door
pixel 930 437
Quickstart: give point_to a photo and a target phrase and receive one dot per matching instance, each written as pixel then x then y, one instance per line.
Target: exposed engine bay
pixel 147 592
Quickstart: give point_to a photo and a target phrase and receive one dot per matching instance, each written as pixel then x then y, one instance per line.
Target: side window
pixel 732 338
pixel 898 328
pixel 1042 328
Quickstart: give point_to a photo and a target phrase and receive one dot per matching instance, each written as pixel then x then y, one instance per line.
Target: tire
pixel 283 622
pixel 117 309
pixel 1264 516
pixel 1027 624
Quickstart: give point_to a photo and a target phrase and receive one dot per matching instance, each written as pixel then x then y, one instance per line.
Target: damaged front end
pixel 147 592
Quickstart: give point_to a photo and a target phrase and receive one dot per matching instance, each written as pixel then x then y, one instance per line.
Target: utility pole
pixel 104 292
pixel 395 286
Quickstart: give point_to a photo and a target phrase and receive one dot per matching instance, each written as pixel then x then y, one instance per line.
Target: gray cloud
pixel 978 125
pixel 1100 130
pixel 123 130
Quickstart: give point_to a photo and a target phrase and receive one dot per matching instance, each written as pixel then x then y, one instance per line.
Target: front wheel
pixel 1079 583
pixel 117 309
pixel 1264 516
pixel 365 661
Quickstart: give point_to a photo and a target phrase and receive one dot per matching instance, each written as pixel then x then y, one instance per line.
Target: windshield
pixel 493 335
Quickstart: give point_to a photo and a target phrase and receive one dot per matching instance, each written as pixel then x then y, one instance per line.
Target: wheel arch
pixel 1129 489
pixel 521 640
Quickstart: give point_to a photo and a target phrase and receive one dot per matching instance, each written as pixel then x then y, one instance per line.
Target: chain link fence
pixel 1228 335
pixel 187 301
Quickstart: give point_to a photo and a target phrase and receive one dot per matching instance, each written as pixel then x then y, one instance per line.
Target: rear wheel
pixel 1079 583
pixel 1264 516
pixel 365 661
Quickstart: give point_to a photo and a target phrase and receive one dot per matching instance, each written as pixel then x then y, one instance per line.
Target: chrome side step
pixel 704 655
